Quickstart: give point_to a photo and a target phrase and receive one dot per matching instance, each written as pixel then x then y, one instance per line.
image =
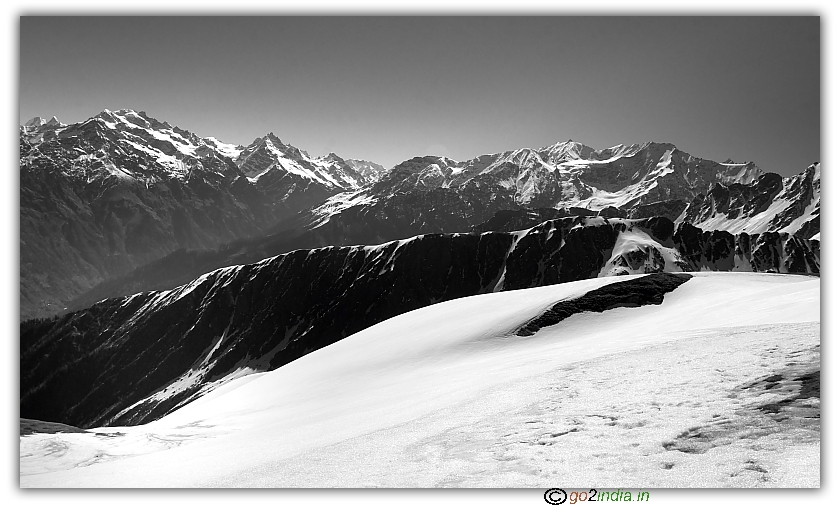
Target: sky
pixel 387 89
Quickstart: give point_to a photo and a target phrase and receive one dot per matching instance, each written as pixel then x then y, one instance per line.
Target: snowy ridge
pixel 443 396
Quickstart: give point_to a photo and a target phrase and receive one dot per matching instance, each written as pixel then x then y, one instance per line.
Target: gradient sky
pixel 387 89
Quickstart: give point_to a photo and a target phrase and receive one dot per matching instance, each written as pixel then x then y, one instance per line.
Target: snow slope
pixel 654 396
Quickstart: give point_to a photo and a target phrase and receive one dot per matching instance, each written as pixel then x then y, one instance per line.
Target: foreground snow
pixel 656 396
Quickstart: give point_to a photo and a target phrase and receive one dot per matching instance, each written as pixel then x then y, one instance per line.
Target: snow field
pixel 446 396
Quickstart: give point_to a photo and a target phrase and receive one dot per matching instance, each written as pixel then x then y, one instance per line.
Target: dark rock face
pixel 648 290
pixel 714 250
pixel 659 228
pixel 740 199
pixel 519 219
pixel 670 209
pixel 133 359
pixel 811 227
pixel 556 252
pixel 31 426
pixel 105 196
pixel 612 212
pixel 765 252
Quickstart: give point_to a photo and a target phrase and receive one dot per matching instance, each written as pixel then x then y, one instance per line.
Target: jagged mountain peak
pixel 273 138
pixel 35 122
pixel 567 150
pixel 38 123
pixel 272 141
pixel 270 156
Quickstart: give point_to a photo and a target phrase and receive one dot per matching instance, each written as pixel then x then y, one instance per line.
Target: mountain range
pixel 122 203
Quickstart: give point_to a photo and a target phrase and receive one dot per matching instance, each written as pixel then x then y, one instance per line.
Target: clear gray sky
pixel 387 89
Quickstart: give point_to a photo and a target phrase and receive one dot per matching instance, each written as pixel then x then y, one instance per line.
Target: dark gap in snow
pixel 648 290
pixel 772 381
pixel 809 388
pixel 32 426
pixel 810 385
